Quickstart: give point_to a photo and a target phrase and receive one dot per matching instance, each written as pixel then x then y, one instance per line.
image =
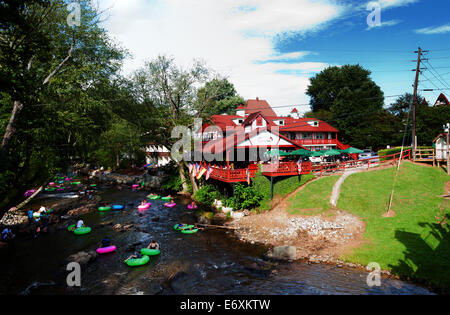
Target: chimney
pixel 257 98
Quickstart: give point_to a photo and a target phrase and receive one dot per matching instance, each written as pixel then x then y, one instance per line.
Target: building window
pixel 319 136
pixel 281 123
pixel 259 121
pixel 240 121
pixel 316 124
pixel 307 136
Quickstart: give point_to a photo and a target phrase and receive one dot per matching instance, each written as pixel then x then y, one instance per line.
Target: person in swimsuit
pixel 153 245
pixel 106 242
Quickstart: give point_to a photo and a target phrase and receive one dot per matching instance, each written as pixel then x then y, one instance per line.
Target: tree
pixel 53 78
pixel 226 100
pixel 170 93
pixel 350 100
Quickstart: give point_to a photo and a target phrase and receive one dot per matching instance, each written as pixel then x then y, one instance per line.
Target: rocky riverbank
pixel 314 239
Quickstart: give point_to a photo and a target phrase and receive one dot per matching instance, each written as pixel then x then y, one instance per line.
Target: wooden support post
pixel 234 196
pixel 271 188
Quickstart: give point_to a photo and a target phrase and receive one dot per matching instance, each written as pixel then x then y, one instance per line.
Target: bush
pixel 247 197
pixel 172 180
pixel 207 195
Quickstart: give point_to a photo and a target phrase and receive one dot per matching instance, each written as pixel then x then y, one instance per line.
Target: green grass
pixel 281 187
pixel 313 199
pixel 412 244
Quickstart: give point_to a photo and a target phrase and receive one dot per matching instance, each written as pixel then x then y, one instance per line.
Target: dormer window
pixel 281 122
pixel 240 121
pixel 316 124
pixel 259 122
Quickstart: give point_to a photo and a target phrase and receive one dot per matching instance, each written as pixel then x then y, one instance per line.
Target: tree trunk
pixel 194 183
pixel 183 177
pixel 10 132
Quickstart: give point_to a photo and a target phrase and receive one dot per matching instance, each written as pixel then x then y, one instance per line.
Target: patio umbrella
pixel 317 154
pixel 352 150
pixel 301 152
pixel 277 153
pixel 332 152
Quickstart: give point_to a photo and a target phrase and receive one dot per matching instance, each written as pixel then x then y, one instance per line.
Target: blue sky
pixel 270 49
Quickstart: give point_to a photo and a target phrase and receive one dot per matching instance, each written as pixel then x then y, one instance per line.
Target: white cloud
pixel 385 4
pixel 384 24
pixel 229 35
pixel 434 30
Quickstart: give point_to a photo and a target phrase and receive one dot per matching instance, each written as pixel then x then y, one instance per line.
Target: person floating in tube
pixel 153 245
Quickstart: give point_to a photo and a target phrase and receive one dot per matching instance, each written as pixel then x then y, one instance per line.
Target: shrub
pixel 207 195
pixel 247 197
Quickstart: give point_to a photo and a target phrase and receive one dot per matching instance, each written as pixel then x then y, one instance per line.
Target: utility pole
pixel 447 130
pixel 416 85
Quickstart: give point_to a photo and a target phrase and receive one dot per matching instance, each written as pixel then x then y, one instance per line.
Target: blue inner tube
pixel 117 207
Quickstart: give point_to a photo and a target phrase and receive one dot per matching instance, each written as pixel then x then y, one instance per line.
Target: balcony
pixel 316 141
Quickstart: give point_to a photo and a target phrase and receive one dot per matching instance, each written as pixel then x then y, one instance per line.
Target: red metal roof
pixel 442 98
pixel 253 106
pixel 225 144
pixel 250 118
pixel 301 124
pixel 294 110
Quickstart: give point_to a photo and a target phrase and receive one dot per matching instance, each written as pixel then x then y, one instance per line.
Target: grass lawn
pixel 314 198
pixel 413 244
pixel 281 187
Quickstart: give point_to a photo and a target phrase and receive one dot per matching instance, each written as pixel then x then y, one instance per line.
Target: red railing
pixel 285 169
pixel 291 168
pixel 315 141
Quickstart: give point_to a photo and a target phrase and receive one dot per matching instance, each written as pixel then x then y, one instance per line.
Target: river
pixel 209 262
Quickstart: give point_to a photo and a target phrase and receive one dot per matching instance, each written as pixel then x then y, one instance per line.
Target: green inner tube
pixel 75 183
pixel 176 228
pixel 104 208
pixel 150 252
pixel 50 189
pixel 138 261
pixel 165 198
pixel 153 197
pixel 94 185
pixel 81 231
pixel 71 228
pixel 189 231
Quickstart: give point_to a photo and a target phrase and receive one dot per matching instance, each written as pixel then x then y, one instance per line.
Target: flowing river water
pixel 209 262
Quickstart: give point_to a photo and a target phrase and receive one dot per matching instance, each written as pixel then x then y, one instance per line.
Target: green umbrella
pixel 317 154
pixel 332 152
pixel 301 152
pixel 352 150
pixel 277 153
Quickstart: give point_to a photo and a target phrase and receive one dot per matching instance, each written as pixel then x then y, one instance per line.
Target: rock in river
pixel 283 253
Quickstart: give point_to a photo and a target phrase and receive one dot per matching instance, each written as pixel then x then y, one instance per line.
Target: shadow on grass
pixel 425 263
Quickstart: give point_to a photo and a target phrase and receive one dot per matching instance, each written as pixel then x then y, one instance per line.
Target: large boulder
pixel 82 258
pixel 283 253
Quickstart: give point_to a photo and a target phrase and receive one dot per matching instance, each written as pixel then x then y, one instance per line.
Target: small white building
pixel 157 155
pixel 441 147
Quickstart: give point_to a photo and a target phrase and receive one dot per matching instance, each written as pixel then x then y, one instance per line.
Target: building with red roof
pixel 442 100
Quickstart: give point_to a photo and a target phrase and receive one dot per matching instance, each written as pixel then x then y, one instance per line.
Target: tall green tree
pixel 351 101
pixel 225 101
pixel 170 93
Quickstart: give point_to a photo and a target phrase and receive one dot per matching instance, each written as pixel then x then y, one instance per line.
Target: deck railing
pixel 291 168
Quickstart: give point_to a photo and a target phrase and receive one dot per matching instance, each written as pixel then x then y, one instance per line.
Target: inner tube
pixel 146 206
pixel 104 208
pixel 176 228
pixel 50 189
pixel 94 185
pixel 117 207
pixel 75 183
pixel 71 228
pixel 36 215
pixel 150 252
pixel 170 205
pixel 153 197
pixel 165 198
pixel 189 231
pixel 138 261
pixel 135 186
pixel 82 231
pixel 105 250
pixel 192 207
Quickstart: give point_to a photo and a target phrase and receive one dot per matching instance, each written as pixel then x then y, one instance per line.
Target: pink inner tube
pixel 105 250
pixel 135 186
pixel 170 205
pixel 147 205
pixel 192 207
pixel 68 179
pixel 52 184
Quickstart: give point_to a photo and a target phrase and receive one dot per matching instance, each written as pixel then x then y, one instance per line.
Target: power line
pixel 437 73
